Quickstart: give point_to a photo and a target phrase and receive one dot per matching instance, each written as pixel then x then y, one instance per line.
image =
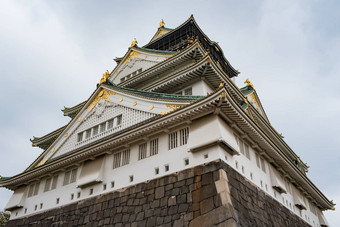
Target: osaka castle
pixel 167 139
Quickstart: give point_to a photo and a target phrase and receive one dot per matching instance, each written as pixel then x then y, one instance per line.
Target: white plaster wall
pixel 143 170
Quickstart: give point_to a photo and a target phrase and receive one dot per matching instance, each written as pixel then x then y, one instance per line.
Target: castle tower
pixel 167 138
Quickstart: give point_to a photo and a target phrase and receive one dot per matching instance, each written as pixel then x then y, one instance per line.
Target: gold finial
pixel 104 77
pixel 134 43
pixel 161 24
pixel 248 83
pixel 221 84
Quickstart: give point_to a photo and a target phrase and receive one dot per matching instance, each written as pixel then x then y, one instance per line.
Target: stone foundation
pixel 209 195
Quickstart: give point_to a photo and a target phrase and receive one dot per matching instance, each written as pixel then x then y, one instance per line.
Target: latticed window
pixel 126 157
pixel 173 143
pixel 70 176
pixel 36 188
pixel 110 124
pixel 47 184
pixel 257 160
pixel 184 134
pixel 119 119
pixel 142 151
pixel 116 160
pixel 102 127
pixel 246 150
pixel 54 182
pixel 95 130
pixel 88 133
pixel 188 91
pixel 154 147
pixel 73 176
pixel 263 167
pixel 33 189
pixel 80 137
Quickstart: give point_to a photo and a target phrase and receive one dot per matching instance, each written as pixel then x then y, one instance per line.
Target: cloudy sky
pixel 52 54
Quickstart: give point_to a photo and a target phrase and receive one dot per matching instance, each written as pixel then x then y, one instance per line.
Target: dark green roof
pixel 247 90
pixel 155 95
pixel 156 51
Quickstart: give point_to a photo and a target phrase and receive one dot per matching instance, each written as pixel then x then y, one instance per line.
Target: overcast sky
pixel 53 53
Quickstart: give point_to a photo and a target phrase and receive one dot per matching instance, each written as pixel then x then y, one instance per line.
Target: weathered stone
pixel 206 205
pixel 159 193
pixel 172 201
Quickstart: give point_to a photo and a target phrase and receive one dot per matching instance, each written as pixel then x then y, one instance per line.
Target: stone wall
pixel 209 195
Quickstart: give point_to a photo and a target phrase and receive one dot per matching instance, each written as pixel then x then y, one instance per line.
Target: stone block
pixel 206 205
pixel 159 192
pixel 172 201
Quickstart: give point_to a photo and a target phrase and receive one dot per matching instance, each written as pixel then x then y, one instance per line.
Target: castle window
pixel 54 182
pixel 131 178
pixel 95 130
pixel 154 147
pixel 70 176
pixel 257 160
pixel 119 120
pixel 156 170
pixel 33 190
pixel 102 127
pixel 91 191
pixel 184 133
pixel 35 207
pixel 104 187
pixel 88 133
pixel 110 124
pixel 173 140
pixel 58 200
pixel 25 210
pixel 47 184
pixel 126 157
pixel 246 149
pixel 72 196
pixel 112 184
pixel 188 91
pixel 186 161
pixel 80 137
pixel 78 195
pixel 166 168
pixel 263 167
pixel 142 151
pixel 116 160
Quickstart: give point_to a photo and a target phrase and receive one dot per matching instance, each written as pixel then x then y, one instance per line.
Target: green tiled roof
pixel 155 95
pixel 247 89
pixel 156 51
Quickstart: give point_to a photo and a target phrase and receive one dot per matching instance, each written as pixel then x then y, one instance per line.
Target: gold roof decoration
pixel 161 24
pixel 249 83
pixel 105 76
pixel 134 43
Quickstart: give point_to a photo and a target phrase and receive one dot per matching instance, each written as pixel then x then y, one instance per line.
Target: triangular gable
pixel 135 61
pixel 160 32
pixel 110 104
pixel 254 99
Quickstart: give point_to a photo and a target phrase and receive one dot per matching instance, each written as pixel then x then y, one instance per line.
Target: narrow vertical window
pixel 102 127
pixel 95 130
pixel 80 137
pixel 87 133
pixel 36 188
pixel 110 124
pixel 73 176
pixel 131 178
pixel 166 168
pixel 154 147
pixel 47 184
pixel 54 182
pixel 67 177
pixel 246 149
pixel 188 91
pixel 241 146
pixel 126 157
pixel 119 120
pixel 173 140
pixel 116 160
pixel 257 160
pixel 142 151
pixel 263 167
pixel 30 191
pixel 184 133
